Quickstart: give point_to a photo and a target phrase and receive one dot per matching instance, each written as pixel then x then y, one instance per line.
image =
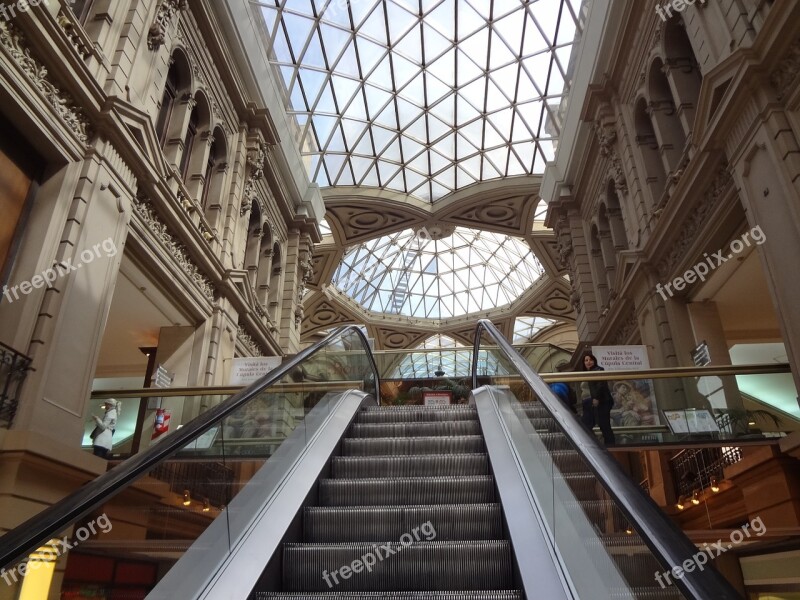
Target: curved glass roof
pixel 423 96
pixel 525 328
pixel 464 271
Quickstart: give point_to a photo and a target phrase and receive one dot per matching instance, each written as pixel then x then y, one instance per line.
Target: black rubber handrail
pixel 38 529
pixel 665 539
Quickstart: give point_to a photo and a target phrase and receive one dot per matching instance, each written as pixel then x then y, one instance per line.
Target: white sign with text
pixel 245 371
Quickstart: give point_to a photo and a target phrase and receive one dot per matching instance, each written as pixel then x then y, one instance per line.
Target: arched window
pixel 252 245
pixel 667 125
pixel 167 104
pixel 598 268
pixel 683 72
pixel 276 284
pixel 616 217
pixel 654 174
pixel 188 142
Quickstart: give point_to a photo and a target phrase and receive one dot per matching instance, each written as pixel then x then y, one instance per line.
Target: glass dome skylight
pixel 464 271
pixel 422 96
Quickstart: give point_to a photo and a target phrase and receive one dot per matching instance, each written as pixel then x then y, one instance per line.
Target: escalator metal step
pixel 555 441
pixel 407 414
pixel 420 566
pixel 583 485
pixel 412 445
pixel 645 593
pixel 536 410
pixel 604 514
pixel 568 461
pixel 543 424
pixel 415 429
pixel 428 595
pixel 382 523
pixel 407 491
pixel 420 465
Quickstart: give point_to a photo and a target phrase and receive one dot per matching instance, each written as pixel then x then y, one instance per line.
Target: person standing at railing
pixel 103 432
pixel 599 413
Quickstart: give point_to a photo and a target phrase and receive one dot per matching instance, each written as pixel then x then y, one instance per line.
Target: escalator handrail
pixel 28 536
pixel 667 542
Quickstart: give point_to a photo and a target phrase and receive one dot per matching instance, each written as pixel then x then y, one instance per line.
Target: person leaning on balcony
pixel 104 428
pixel 599 413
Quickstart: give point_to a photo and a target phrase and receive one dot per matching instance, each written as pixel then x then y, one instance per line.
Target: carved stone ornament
pixel 786 72
pixel 157 34
pixel 247 341
pixel 606 136
pixel 698 219
pixel 73 33
pixel 145 211
pixel 255 158
pixel 625 331
pixel 13 41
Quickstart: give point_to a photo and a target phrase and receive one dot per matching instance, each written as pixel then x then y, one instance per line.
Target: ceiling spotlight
pixel 714 485
pixel 680 503
pixel 696 497
pixel 206 505
pixel 629 530
pixel 187 498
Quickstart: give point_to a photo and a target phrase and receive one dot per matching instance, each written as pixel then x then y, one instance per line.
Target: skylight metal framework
pixel 465 272
pixel 424 97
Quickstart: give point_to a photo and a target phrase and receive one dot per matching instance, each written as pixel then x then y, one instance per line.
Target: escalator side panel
pixel 262 513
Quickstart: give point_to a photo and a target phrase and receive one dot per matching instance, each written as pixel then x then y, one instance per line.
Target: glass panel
pixel 387 43
pixel 124 547
pixel 595 544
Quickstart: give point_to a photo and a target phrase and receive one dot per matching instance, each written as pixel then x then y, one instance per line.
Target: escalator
pixel 506 498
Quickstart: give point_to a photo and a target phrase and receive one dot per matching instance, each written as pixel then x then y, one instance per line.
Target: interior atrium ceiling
pixel 439 274
pixel 423 97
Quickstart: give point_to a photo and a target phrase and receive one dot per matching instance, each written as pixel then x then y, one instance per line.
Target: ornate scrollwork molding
pixel 248 342
pixel 692 226
pixel 607 136
pixel 624 332
pixel 65 106
pixel 178 251
pixel 255 160
pixel 157 34
pixel 785 73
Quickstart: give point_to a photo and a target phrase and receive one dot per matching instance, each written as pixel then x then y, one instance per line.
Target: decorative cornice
pixel 144 209
pixel 65 106
pixel 156 36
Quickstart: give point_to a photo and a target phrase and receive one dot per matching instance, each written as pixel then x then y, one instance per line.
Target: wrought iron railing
pixel 14 366
pixel 695 469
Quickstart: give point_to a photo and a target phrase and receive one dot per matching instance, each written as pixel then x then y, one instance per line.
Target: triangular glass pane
pixel 418 130
pixel 404 71
pixel 463 179
pixel 469 21
pixel 360 167
pixel 442 17
pixel 400 21
pixel 500 54
pixel 407 112
pixel 502 122
pixel 364 146
pixel 437 128
pixel 447 146
pixel 438 162
pixel 377 99
pixel 415 90
pixel 348 63
pixel 325 103
pixel 499 158
pixel 375 25
pixel 466 70
pixel 345 89
pixel 323 126
pixel 533 41
pixel 346 177
pixel 336 143
pixel 435 89
pixel 477 47
pixel 382 137
pixel 388 117
pixel 483 8
pixel 444 68
pixel 298 29
pixel 438 191
pixel 435 43
pixel 369 54
pixel 445 110
pixel 411 46
pixel 333 40
pixel 509 29
pixel 361 10
pixel 334 164
pixel 447 178
pixel 388 170
pixel 494 97
pixel 313 56
pixel 411 149
pixel 423 191
pixel 336 12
